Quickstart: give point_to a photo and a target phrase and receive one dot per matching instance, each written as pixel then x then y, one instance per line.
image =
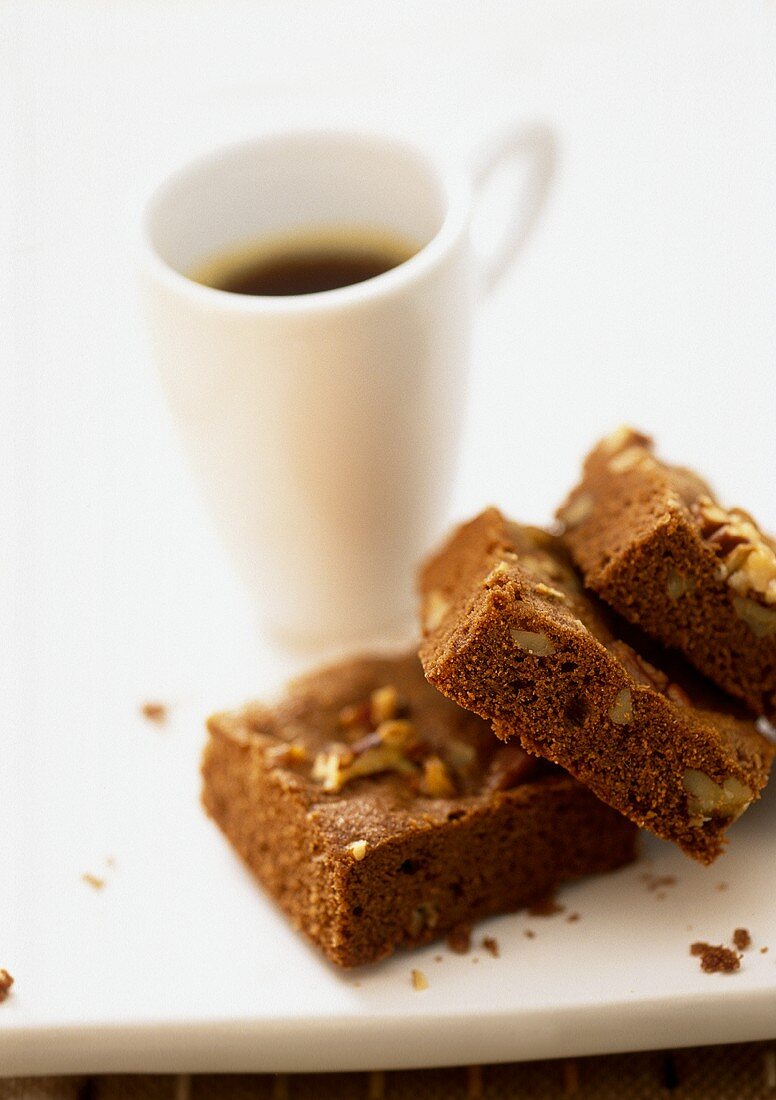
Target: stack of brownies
pixel 374 802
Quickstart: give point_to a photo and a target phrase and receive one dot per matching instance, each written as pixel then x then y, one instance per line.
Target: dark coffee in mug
pixel 306 262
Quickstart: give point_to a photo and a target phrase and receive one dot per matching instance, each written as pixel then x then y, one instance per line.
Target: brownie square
pixel 652 541
pixel 380 815
pixel 510 634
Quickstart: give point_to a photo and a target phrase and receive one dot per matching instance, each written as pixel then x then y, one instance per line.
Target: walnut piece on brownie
pixel 364 846
pixel 525 646
pixel 652 541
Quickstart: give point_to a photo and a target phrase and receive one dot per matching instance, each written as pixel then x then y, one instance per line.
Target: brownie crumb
pixel 742 939
pixel 460 939
pixel 529 934
pixel 93 880
pixel 6 981
pixel 546 907
pixel 419 980
pixel 438 958
pixel 763 950
pixel 154 712
pixel 490 943
pixel 572 918
pixel 722 886
pixel 716 959
pixel 657 882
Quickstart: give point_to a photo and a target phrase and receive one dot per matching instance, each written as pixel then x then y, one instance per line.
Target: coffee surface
pixel 306 263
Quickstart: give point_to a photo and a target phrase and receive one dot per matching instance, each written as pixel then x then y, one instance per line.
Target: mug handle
pixel 537 145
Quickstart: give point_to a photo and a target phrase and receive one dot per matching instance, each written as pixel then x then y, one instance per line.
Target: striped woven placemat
pixel 746 1071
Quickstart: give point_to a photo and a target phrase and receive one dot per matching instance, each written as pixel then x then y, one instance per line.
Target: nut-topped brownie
pixel 654 543
pixel 378 814
pixel 510 634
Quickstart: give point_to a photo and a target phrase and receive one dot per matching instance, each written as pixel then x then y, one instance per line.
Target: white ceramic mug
pixel 324 427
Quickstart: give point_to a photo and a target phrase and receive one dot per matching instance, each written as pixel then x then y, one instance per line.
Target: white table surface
pixel 646 295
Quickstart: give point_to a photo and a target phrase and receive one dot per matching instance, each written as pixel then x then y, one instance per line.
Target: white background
pixel 646 295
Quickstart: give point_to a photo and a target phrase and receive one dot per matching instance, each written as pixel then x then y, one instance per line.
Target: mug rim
pixel 454 186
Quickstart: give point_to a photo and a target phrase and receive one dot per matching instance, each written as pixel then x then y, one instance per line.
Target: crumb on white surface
pixel 419 980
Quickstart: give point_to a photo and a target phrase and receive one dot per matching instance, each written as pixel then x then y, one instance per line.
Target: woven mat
pixel 743 1072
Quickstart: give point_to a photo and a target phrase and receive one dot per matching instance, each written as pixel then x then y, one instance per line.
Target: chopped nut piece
pixel 154 712
pixel 383 704
pixel 622 437
pixel 576 511
pixel 419 980
pixel 435 608
pixel 397 732
pixel 760 571
pixel 678 584
pixel 621 710
pixel 435 781
pixel 423 918
pixel 387 748
pixel 747 557
pixel 628 459
pixel 355 716
pixel 6 981
pixel 707 799
pixel 328 767
pixel 710 516
pixel 760 620
pixel 552 593
pixel 538 644
pixel 385 758
pixel 357 849
pixel 291 753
